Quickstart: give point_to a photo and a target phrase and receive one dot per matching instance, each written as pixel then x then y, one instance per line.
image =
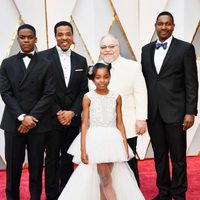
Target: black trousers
pixel 169 138
pixel 133 162
pixel 58 163
pixel 15 146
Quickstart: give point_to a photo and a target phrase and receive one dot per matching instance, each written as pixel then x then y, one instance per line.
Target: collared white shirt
pixel 65 63
pixel 160 54
pixel 26 59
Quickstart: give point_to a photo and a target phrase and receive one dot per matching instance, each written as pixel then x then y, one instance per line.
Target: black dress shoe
pixel 158 197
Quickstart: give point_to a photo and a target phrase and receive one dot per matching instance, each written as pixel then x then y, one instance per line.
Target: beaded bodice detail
pixel 102 109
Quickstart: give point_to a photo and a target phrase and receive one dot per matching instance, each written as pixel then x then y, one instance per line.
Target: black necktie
pixel 30 55
pixel 163 45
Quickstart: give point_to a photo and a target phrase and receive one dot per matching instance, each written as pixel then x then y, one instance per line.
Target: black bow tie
pixel 163 45
pixel 30 55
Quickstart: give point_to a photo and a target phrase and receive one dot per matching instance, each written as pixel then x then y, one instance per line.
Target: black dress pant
pixel 15 146
pixel 133 162
pixel 169 138
pixel 58 163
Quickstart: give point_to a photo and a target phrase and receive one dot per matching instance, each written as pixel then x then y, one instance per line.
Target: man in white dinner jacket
pixel 128 81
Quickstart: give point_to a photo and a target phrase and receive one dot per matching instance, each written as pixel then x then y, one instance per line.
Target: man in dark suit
pixel 27 87
pixel 170 71
pixel 70 70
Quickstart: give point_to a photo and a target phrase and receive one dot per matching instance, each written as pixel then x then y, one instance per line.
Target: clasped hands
pixel 28 123
pixel 65 117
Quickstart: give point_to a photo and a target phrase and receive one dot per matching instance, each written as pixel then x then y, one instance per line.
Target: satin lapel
pixel 152 52
pixel 58 69
pixel 29 68
pixel 169 54
pixel 21 63
pixel 73 66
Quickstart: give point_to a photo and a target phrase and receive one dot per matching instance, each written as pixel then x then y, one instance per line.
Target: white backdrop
pixel 131 20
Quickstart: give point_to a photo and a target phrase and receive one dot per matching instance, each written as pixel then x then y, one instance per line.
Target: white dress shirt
pixel 26 59
pixel 65 63
pixel 160 54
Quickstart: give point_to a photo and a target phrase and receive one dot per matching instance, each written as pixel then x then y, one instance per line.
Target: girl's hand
pixel 126 149
pixel 84 157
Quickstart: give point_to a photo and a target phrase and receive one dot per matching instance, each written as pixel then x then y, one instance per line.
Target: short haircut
pixel 109 35
pixel 26 26
pixel 62 23
pixel 165 13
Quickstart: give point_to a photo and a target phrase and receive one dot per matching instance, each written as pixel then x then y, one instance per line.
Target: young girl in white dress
pixel 101 148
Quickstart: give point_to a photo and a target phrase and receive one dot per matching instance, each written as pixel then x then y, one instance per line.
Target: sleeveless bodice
pixel 102 109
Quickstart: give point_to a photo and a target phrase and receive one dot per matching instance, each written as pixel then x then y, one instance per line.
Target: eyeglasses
pixel 109 47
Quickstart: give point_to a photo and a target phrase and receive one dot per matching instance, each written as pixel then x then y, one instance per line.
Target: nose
pixel 102 80
pixel 64 37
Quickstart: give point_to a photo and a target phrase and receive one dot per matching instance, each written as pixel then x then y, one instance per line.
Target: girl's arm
pixel 120 124
pixel 84 127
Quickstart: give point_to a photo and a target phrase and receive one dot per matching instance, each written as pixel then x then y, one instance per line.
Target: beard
pixel 108 60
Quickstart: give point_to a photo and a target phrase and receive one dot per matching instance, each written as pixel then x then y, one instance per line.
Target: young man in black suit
pixel 70 71
pixel 170 71
pixel 27 87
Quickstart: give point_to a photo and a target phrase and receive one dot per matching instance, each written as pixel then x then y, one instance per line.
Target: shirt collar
pixel 61 52
pixel 32 52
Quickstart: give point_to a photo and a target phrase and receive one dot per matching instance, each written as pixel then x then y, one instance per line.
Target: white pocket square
pixel 78 70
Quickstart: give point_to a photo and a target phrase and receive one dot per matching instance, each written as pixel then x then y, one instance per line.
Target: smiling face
pixel 109 49
pixel 164 27
pixel 64 37
pixel 26 40
pixel 101 79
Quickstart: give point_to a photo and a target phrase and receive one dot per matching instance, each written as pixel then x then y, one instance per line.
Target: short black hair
pixel 165 13
pixel 26 26
pixel 63 23
pixel 92 70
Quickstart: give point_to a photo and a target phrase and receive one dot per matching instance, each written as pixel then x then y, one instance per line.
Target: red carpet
pixel 147 178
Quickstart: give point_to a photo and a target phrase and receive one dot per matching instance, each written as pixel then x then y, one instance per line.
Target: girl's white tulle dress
pixel 104 144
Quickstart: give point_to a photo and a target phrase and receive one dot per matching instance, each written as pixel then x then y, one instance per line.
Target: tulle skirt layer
pixel 103 145
pixel 84 183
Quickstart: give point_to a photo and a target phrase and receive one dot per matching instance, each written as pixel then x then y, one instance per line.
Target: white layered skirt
pixel 103 145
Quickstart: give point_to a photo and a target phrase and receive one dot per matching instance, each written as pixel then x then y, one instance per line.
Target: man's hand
pixel 65 117
pixel 140 127
pixel 188 121
pixel 28 123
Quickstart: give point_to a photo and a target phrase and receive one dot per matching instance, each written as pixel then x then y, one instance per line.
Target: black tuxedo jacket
pixel 68 98
pixel 29 91
pixel 174 90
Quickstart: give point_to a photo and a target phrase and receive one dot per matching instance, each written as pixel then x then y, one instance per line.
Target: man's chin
pixel 65 48
pixel 108 60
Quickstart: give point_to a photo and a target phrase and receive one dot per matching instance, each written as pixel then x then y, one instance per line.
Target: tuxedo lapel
pixel 73 66
pixel 29 68
pixel 152 52
pixel 169 54
pixel 21 64
pixel 58 69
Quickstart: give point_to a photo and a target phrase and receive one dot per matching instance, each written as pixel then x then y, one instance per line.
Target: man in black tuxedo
pixel 70 70
pixel 27 87
pixel 170 71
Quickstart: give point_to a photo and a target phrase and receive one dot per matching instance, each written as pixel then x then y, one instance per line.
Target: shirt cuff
pixel 21 117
